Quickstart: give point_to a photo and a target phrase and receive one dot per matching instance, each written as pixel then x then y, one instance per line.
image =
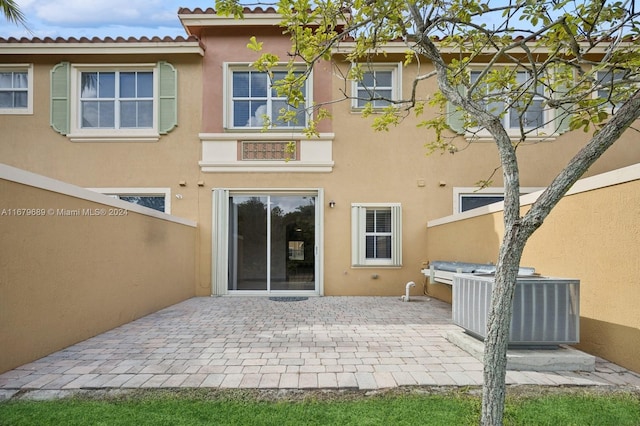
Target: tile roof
pixel 211 11
pixel 96 40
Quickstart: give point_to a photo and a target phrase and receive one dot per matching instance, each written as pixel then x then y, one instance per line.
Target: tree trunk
pixel 517 233
pixel 517 229
pixel 499 321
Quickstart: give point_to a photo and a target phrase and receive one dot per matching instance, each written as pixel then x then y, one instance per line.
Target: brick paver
pixel 255 342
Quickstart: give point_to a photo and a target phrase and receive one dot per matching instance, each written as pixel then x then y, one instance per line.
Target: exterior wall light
pixel 332 204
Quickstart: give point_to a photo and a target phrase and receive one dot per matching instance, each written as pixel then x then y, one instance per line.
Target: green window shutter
pixel 562 115
pixel 167 102
pixel 455 116
pixel 562 122
pixel 60 98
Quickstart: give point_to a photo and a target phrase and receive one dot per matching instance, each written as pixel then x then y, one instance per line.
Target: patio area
pixel 253 342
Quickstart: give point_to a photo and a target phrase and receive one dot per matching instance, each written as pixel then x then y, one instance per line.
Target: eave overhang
pixel 89 47
pixel 401 47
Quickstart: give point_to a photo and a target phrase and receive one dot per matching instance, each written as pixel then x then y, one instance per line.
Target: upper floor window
pixel 527 113
pixel 16 89
pixel 116 100
pixel 124 102
pixel 376 234
pixel 256 103
pixel 378 85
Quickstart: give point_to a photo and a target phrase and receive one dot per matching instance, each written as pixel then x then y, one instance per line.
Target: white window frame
pixel 80 134
pixel 544 132
pixel 229 69
pixel 460 192
pixel 359 234
pixel 148 192
pixel 18 68
pixel 396 83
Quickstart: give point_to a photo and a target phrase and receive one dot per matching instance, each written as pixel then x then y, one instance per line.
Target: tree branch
pixel 580 163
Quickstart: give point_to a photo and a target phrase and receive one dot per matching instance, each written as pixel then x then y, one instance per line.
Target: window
pixel 376 234
pixel 471 198
pixel 534 117
pixel 470 202
pixel 155 202
pixel 154 198
pixel 16 92
pixel 256 103
pixel 126 102
pixel 116 100
pixel 378 81
pixel 538 122
pixel 610 90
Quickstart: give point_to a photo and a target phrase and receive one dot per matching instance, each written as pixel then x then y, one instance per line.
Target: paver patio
pixel 255 342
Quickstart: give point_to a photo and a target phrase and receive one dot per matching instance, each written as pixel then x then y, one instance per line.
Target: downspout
pixel 410 284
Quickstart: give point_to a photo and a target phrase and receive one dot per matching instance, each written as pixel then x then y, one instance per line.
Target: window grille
pixel 269 150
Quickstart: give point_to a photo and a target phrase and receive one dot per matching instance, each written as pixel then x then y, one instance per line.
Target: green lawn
pixel 407 407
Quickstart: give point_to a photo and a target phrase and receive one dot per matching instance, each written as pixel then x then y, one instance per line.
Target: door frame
pixel 220 241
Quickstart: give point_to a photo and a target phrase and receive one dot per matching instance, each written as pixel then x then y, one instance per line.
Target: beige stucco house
pixel 177 125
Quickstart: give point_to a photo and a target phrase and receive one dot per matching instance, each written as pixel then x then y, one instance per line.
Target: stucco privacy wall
pixel 593 234
pixel 84 264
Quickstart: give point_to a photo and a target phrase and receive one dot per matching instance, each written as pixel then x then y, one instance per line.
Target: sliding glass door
pixel 272 242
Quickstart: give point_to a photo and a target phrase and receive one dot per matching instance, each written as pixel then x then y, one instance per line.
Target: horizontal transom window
pixel 154 198
pixel 469 198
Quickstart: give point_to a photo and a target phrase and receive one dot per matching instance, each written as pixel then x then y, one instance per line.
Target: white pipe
pixel 409 285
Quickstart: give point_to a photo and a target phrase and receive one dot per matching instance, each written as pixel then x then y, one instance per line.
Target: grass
pixel 602 410
pixel 399 407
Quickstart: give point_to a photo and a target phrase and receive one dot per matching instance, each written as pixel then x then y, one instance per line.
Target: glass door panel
pixel 248 243
pixel 293 228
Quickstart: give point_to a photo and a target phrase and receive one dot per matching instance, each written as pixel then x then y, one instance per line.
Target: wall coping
pixel 614 177
pixel 24 177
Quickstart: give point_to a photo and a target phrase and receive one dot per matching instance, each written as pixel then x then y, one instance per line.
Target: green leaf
pixel 254 44
pixel 229 7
